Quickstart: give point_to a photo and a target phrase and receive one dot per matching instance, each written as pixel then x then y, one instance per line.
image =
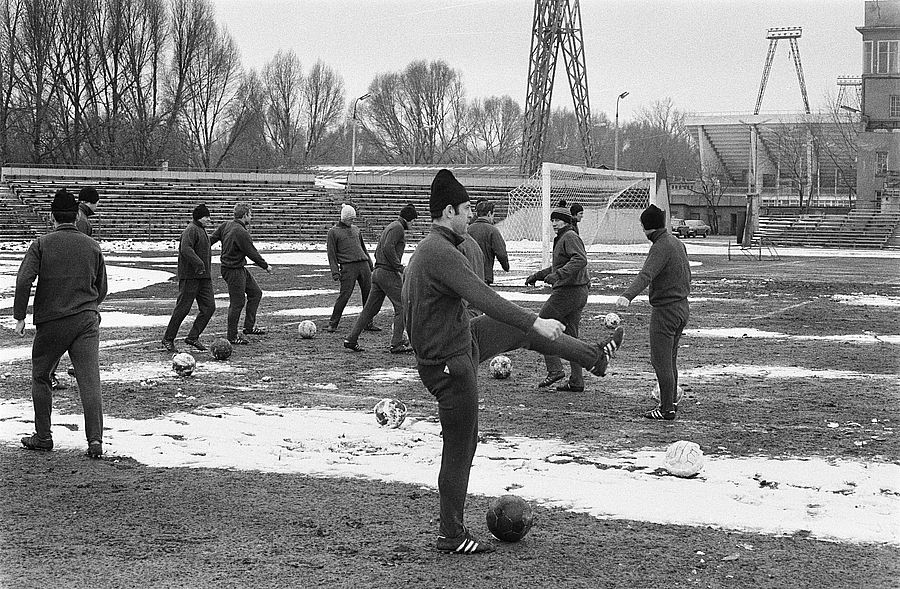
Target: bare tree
pixel 494 130
pixel 213 82
pixel 711 185
pixel 659 133
pixel 283 82
pixel 249 123
pixel 11 13
pixel 323 98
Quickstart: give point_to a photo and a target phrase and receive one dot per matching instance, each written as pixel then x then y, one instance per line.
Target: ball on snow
pixel 183 364
pixel 611 321
pixel 307 329
pixel 500 367
pixel 509 518
pixel 684 459
pixel 221 349
pixel 390 412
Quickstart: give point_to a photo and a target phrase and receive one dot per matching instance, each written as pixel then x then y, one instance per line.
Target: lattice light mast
pixel 791 34
pixel 557 23
pixel 849 85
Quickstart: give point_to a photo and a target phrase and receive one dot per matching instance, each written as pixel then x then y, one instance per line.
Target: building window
pixel 895 106
pixel 868 56
pixel 881 163
pixel 887 57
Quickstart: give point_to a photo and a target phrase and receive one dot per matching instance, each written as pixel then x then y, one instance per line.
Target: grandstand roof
pixel 728 137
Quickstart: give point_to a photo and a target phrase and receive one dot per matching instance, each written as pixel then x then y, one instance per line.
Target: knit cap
pixel 562 213
pixel 445 190
pixel 64 201
pixel 200 211
pixel 409 212
pixel 653 217
pixel 348 213
pixel 88 194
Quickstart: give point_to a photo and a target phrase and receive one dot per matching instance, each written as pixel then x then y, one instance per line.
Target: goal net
pixel 612 199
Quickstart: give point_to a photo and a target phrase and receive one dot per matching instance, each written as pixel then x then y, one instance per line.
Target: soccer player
pixel 668 274
pixel 449 346
pixel 489 239
pixel 194 282
pixel 237 246
pixel 577 212
pixel 569 279
pixel 71 284
pixel 472 251
pixel 387 282
pixel 88 198
pixel 350 264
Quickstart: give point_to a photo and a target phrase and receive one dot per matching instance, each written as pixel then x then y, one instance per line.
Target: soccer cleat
pixel 353 346
pixel 169 346
pixel 95 449
pixel 607 350
pixel 195 343
pixel 551 378
pixel 33 442
pixel 372 327
pixel 658 413
pixel 465 543
pixel 401 349
pixel 570 388
pixel 255 331
pixel 239 341
pixel 55 384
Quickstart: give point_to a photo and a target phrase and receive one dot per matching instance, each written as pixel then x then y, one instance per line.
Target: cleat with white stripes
pixel 465 543
pixel 607 350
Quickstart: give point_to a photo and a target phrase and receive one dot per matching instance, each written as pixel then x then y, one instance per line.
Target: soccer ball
pixel 390 412
pixel 611 321
pixel 679 393
pixel 684 459
pixel 183 364
pixel 500 367
pixel 307 329
pixel 509 518
pixel 221 349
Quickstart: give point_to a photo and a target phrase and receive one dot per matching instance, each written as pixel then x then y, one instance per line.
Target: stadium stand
pixel 860 228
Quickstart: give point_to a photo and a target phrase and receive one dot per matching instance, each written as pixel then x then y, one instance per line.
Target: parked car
pixel 675 225
pixel 693 228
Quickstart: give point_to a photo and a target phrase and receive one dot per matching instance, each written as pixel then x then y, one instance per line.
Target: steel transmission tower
pixel 557 23
pixel 791 34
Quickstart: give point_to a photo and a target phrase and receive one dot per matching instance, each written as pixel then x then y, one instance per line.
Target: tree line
pixel 133 83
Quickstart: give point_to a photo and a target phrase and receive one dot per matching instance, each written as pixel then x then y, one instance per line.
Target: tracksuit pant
pixel 351 273
pixel 385 283
pixel 79 335
pixel 455 386
pixel 667 323
pixel 565 305
pixel 189 290
pixel 242 289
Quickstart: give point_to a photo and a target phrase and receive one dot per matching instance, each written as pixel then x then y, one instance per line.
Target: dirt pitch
pixel 71 522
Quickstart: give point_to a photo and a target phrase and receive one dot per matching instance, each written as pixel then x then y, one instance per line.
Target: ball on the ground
pixel 183 364
pixel 390 412
pixel 611 321
pixel 500 367
pixel 679 393
pixel 307 329
pixel 221 349
pixel 509 518
pixel 684 459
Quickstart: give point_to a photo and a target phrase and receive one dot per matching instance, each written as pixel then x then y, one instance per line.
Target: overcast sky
pixel 707 56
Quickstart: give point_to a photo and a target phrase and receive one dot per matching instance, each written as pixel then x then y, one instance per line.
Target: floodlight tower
pixel 557 23
pixel 848 84
pixel 791 34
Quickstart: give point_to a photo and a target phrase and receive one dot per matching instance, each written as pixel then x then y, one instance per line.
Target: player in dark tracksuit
pixel 350 264
pixel 449 346
pixel 194 282
pixel 237 246
pixel 71 284
pixel 387 282
pixel 568 276
pixel 489 239
pixel 668 274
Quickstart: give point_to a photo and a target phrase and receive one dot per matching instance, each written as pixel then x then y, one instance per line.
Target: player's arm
pixel 499 246
pixel 250 250
pixel 331 248
pixel 653 265
pixel 216 236
pixel 188 249
pixel 577 261
pixel 459 278
pixel 28 272
pixel 390 247
pixel 539 275
pixel 100 279
pixel 362 244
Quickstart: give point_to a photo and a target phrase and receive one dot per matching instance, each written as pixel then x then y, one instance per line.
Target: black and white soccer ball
pixel 500 367
pixel 684 459
pixel 307 329
pixel 221 349
pixel 390 412
pixel 183 364
pixel 509 518
pixel 611 320
pixel 679 393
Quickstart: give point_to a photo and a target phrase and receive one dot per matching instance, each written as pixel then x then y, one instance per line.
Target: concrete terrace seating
pixel 857 229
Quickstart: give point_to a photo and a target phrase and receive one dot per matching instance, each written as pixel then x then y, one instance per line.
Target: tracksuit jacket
pixel 345 245
pixel 389 252
pixel 194 255
pixel 569 264
pixel 492 245
pixel 666 271
pixel 237 245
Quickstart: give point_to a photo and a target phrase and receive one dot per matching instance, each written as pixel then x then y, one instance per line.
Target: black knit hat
pixel 409 212
pixel 445 190
pixel 561 213
pixel 64 202
pixel 200 211
pixel 653 217
pixel 88 194
pixel 575 209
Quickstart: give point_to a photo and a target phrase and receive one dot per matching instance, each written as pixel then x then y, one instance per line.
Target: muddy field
pixel 784 359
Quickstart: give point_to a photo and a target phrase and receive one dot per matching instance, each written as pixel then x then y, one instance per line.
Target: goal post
pixel 612 199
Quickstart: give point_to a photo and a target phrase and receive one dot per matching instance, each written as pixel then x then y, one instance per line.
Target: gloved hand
pixel 531 280
pixel 551 278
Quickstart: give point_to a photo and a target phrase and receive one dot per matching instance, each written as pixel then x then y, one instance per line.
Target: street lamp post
pixel 616 154
pixel 353 133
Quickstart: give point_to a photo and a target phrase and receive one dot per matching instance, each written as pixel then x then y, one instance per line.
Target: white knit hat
pixel 347 213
